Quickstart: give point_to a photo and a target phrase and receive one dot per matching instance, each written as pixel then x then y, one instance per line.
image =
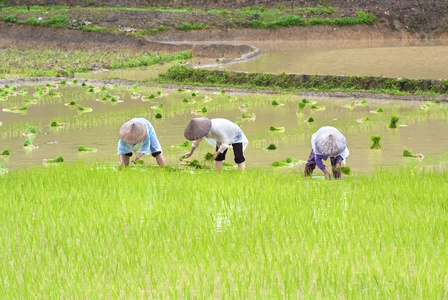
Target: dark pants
pixel 311 165
pixel 237 151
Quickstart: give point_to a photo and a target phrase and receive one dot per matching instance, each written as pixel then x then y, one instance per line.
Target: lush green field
pixel 89 231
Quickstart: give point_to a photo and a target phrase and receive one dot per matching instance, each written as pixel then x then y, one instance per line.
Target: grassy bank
pixel 297 82
pixel 259 234
pixel 186 19
pixel 34 63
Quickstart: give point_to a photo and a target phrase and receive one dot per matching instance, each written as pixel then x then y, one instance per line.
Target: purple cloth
pixel 319 158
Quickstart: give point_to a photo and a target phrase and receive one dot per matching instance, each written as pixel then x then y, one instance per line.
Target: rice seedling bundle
pixel 375 142
pixel 275 128
pixel 393 122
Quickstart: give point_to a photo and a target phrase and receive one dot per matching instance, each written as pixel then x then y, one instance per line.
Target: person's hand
pixel 137 157
pixel 216 154
pixel 337 166
pixel 187 155
pixel 327 175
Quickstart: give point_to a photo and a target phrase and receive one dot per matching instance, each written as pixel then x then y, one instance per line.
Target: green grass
pixel 33 63
pixel 89 231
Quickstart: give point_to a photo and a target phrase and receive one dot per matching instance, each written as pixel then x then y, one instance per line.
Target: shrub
pixel 56 21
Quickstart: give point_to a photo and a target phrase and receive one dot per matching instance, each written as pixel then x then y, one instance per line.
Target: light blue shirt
pixel 149 145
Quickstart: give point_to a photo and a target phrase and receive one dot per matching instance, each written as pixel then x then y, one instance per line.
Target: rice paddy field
pixel 90 231
pixel 74 226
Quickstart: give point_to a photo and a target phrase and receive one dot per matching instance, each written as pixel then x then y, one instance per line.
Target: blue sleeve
pixel 319 163
pixel 123 148
pixel 154 143
pixel 339 158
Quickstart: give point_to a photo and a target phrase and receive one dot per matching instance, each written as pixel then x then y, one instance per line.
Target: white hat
pixel 132 132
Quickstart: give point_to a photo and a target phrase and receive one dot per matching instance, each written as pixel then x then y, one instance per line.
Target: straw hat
pixel 132 132
pixel 197 128
pixel 329 141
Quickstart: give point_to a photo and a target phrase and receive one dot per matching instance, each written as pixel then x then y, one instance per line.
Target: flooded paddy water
pixel 389 58
pixel 424 133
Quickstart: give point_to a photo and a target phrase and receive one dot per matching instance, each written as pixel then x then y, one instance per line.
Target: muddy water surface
pixel 411 59
pixel 98 129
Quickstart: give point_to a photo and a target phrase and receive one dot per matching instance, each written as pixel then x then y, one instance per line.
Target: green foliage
pixel 5 152
pixel 393 122
pixel 310 120
pixel 407 153
pixel 186 26
pixel 57 159
pixel 271 147
pixel 56 21
pixel 274 128
pixel 31 129
pixel 375 142
pixel 28 142
pixel 90 28
pixel 158 116
pixel 345 170
pixel 85 149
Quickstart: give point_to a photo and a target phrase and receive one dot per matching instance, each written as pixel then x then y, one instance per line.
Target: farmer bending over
pixel 327 142
pixel 221 134
pixel 138 135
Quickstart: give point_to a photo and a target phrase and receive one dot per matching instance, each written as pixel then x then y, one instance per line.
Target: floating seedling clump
pixel 271 147
pixel 278 129
pixel 71 103
pixel 85 149
pixel 75 81
pixel 30 130
pixel 208 157
pixel 158 116
pixel 393 122
pixel 317 107
pixel 5 152
pixel 16 109
pixel 363 120
pixel 378 111
pixel 276 103
pixel 310 120
pixel 301 107
pixel 84 109
pixel 350 105
pixel 285 162
pixel 57 159
pixel 181 145
pixel 158 106
pixel 407 153
pixel 375 142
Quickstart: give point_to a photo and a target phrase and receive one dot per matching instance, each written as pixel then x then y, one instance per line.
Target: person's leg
pixel 336 173
pixel 124 159
pixel 220 159
pixel 310 164
pixel 239 157
pixel 159 158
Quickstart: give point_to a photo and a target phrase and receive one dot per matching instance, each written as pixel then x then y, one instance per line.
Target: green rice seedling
pixel 393 122
pixel 180 90
pixel 151 96
pixel 378 111
pixel 188 101
pixel 28 142
pixel 83 84
pixel 158 93
pixel 246 116
pixel 307 102
pixel 57 159
pixel 1 166
pixel 16 109
pixel 193 94
pixel 301 107
pixel 84 109
pixel 238 123
pixel 75 81
pixel 350 105
pixel 277 129
pixel 203 109
pixel 63 82
pixel 271 147
pixel 363 120
pixel 71 103
pixel 181 145
pixel 279 163
pixel 5 152
pixel 232 98
pixel 56 124
pixel 317 107
pixel 222 92
pixel 90 90
pixel 310 120
pixel 206 99
pixel 25 92
pixel 229 165
pixel 158 106
pixel 195 164
pixel 375 142
pixel 30 101
pixel 407 153
pixel 276 103
pixel 208 158
pixel 54 94
pixel 86 149
pixel 103 89
pixel 158 116
pixel 345 170
pixel 30 130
